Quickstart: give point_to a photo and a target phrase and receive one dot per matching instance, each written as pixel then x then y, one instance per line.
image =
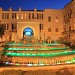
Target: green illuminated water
pixel 37 48
pixel 41 55
pixel 37 44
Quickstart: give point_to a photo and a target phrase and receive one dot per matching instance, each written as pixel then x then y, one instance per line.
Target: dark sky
pixel 31 4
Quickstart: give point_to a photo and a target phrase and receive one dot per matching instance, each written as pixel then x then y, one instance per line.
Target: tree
pixel 2 30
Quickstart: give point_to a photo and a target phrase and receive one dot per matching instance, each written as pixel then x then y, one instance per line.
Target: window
pixel 42 16
pixel 56 30
pixel 37 16
pixel 13 15
pixel 17 16
pixel 29 15
pixel 6 26
pixel 56 19
pixel 69 28
pixel 49 19
pixel 5 15
pixel 2 15
pixel 70 13
pixel 32 15
pixel 21 16
pixel 49 29
pixel 14 27
pixel 25 16
pixel 41 26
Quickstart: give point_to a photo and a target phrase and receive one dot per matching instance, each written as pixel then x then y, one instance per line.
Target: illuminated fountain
pixel 33 52
pixel 38 54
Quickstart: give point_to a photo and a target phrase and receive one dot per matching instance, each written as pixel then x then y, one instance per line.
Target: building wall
pixel 69 20
pixel 10 17
pixel 33 25
pixel 58 22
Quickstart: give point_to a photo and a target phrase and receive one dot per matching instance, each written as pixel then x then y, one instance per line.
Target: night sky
pixel 31 4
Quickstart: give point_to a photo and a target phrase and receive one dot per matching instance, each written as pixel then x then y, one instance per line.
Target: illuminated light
pixel 41 64
pixel 59 63
pixel 9 53
pixel 7 63
pixel 31 49
pixel 47 64
pixel 18 53
pixel 26 49
pixel 22 49
pixel 17 16
pixel 28 33
pixel 35 64
pixel 13 53
pixel 27 54
pixel 33 54
pixel 17 64
pixel 68 62
pixel 29 64
pixel 43 54
pixel 53 64
pixel 73 60
pixel 10 48
pixel 23 54
pixel 18 48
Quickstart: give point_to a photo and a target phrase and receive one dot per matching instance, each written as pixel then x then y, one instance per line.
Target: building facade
pixel 48 23
pixel 69 21
pixel 45 24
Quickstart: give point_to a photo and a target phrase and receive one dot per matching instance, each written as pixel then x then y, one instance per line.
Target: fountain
pixel 34 52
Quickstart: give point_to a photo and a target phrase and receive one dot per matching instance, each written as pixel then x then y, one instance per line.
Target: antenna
pixel 35 3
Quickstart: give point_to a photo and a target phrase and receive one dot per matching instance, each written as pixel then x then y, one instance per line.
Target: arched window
pixel 56 19
pixel 49 29
pixel 69 28
pixel 49 19
pixel 70 14
pixel 56 30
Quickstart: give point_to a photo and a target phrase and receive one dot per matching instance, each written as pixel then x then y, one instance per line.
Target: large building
pixel 48 23
pixel 69 21
pixel 45 24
